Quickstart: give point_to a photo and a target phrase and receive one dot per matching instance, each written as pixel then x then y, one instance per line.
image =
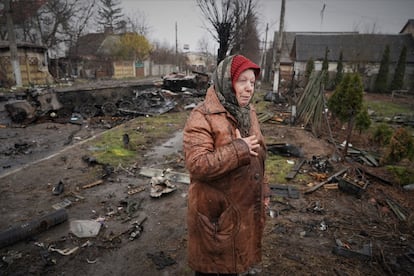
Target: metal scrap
pixel 64 252
pixel 178 82
pixel 167 174
pixel 136 229
pixel 364 254
pixel 160 185
pixel 30 228
pixel 320 164
pixel 284 149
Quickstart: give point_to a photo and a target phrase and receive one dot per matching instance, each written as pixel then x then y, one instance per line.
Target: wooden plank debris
pixel 136 190
pixel 376 176
pixel 284 190
pixel 93 184
pixel 263 117
pixel 398 210
pixel 314 188
pixel 295 169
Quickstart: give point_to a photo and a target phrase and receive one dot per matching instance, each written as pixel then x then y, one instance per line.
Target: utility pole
pixel 176 47
pixel 14 58
pixel 278 50
pixel 263 65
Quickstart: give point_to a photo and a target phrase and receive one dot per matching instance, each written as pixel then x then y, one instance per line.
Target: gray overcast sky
pixel 380 16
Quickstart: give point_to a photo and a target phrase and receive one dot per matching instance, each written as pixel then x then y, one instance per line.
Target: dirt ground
pixel 326 232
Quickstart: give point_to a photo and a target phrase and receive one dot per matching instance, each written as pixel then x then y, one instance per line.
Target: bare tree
pixel 57 23
pixel 165 54
pixel 137 23
pixel 204 47
pixel 247 41
pixel 225 21
pixel 80 21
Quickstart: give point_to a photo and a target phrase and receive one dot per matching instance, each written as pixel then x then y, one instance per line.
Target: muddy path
pixel 113 251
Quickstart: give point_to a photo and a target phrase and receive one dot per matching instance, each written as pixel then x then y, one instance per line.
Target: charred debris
pixel 103 98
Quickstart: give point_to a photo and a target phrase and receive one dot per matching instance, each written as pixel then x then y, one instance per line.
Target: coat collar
pixel 212 103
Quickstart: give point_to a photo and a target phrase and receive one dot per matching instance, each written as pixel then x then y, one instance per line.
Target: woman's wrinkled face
pixel 244 87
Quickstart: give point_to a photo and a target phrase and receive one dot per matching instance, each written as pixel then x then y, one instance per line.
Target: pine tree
pixel 110 14
pixel 339 70
pixel 362 120
pixel 398 80
pixel 346 102
pixel 310 66
pixel 382 77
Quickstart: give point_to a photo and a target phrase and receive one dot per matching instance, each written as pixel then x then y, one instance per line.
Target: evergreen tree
pixel 398 79
pixel 325 67
pixel 382 77
pixel 346 102
pixel 110 15
pixel 339 70
pixel 310 66
pixel 363 121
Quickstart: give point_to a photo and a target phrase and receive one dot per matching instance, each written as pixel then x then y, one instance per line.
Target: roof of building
pixel 355 47
pixel 410 22
pixel 4 44
pixel 289 39
pixel 94 44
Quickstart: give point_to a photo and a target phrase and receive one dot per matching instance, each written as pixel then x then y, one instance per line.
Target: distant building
pixel 200 62
pixel 408 28
pixel 33 64
pixel 361 53
pixel 93 57
pixel 287 61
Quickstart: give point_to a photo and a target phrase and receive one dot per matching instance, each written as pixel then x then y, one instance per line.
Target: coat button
pixel 256 176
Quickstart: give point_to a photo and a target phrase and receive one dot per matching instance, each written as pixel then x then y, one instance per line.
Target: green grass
pixel 143 132
pixel 277 168
pixel 388 108
pixel 404 175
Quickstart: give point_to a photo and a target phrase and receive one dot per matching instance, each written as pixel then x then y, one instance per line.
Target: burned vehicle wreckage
pixel 111 99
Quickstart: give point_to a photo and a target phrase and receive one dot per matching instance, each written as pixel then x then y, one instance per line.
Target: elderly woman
pixel 225 156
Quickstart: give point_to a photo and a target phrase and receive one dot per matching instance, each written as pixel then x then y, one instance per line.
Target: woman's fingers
pixel 251 141
pixel 238 135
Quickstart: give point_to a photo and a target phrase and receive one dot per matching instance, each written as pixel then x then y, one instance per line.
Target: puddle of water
pixel 172 145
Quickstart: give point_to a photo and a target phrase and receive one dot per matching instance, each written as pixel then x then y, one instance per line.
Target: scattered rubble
pixel 177 82
pixel 324 228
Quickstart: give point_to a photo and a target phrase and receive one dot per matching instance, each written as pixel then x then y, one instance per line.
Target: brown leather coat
pixel 226 196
